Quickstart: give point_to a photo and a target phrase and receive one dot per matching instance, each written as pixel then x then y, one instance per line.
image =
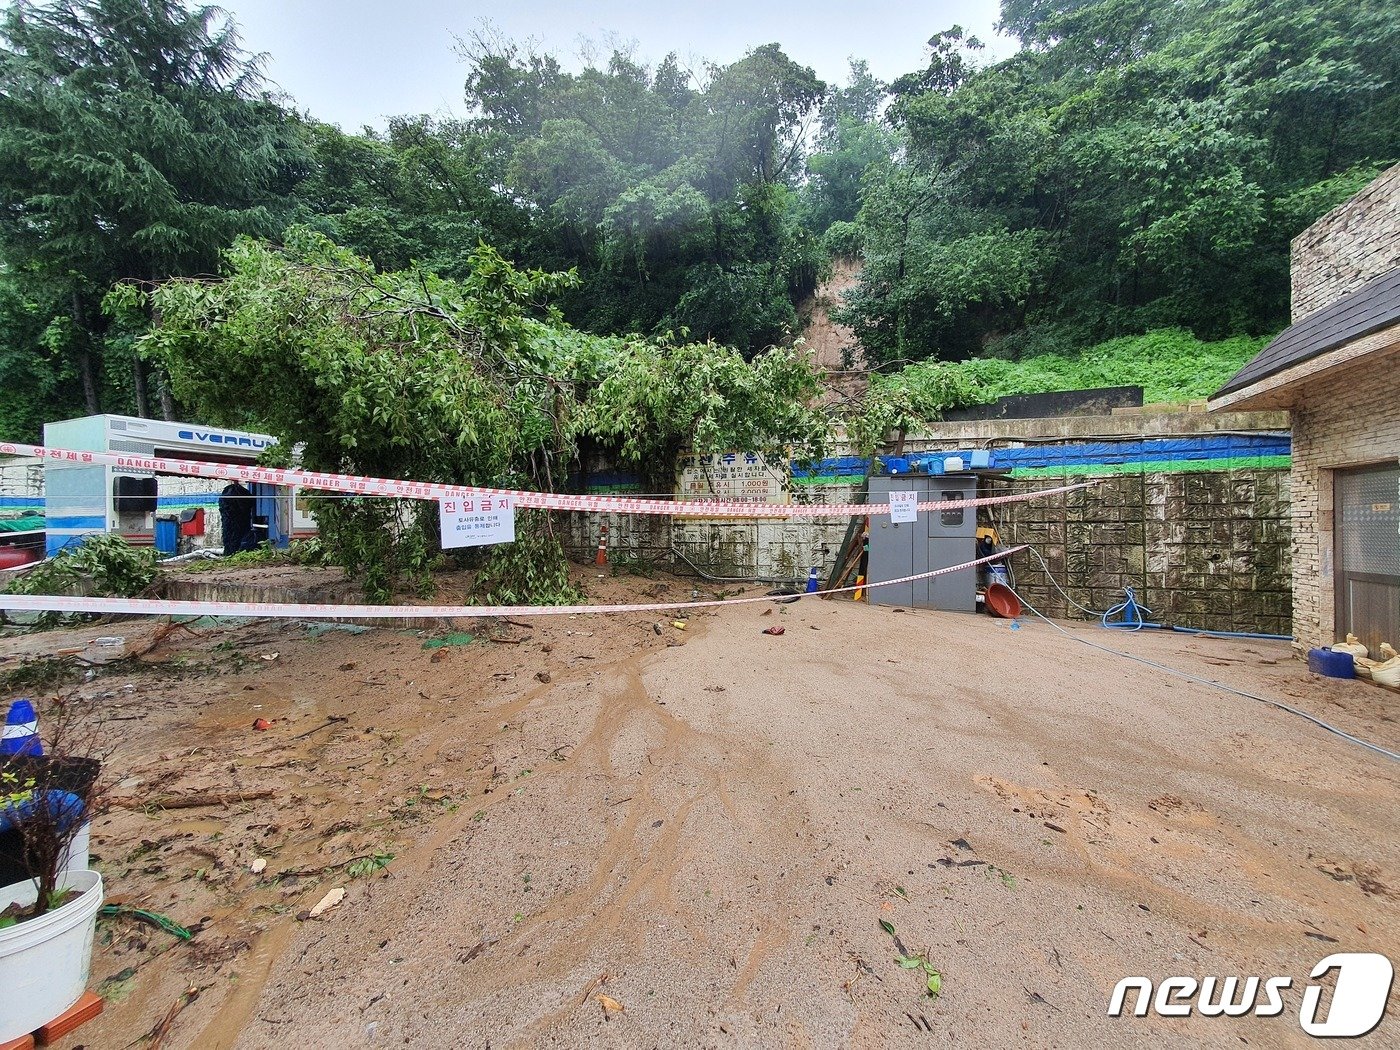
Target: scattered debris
pixel 261 724
pixel 118 985
pixel 610 1005
pixel 330 721
pixel 331 900
pixel 543 676
pixel 775 630
pixel 156 1036
pixel 213 798
pixel 258 866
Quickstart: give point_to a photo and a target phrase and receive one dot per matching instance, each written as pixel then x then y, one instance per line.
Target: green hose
pixel 155 918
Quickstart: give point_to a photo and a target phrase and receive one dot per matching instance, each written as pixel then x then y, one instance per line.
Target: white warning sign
pixel 904 506
pixel 476 521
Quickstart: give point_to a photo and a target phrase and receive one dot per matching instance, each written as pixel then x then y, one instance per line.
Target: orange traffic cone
pixel 602 558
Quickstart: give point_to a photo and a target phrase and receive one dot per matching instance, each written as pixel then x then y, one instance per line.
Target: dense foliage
pixel 475 380
pixel 105 566
pixel 1138 164
pixel 1171 365
pixel 134 144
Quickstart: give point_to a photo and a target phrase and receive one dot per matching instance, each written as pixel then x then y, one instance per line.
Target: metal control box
pixel 936 540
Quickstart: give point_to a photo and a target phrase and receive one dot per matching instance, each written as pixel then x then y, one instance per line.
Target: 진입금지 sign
pixel 476 521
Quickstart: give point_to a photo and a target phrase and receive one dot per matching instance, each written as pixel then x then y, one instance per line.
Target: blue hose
pixel 1131 612
pixel 1235 634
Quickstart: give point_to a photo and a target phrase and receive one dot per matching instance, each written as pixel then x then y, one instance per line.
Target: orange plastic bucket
pixel 1002 601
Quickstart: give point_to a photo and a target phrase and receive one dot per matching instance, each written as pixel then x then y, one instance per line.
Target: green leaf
pixel 935 983
pixel 887 926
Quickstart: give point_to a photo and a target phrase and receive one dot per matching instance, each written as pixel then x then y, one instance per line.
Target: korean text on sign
pixel 476 522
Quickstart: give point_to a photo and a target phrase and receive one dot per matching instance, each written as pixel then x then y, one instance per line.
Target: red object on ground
pixel 773 630
pixel 261 723
pixel 1002 601
pixel 85 1009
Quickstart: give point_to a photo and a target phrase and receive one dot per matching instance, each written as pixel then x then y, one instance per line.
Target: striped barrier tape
pixel 310 611
pixel 366 486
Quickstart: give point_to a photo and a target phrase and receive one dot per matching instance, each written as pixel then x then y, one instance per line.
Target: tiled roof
pixel 1373 306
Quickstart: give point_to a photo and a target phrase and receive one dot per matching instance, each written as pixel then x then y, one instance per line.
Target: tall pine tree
pixel 135 142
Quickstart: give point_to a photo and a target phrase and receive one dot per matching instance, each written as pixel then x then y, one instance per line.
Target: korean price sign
pixel 476 522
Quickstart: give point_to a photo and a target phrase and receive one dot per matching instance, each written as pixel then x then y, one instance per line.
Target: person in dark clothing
pixel 236 516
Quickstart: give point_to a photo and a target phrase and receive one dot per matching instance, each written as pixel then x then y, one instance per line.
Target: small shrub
pixel 114 567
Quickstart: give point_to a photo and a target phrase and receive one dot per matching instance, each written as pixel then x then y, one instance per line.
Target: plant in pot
pixel 48 899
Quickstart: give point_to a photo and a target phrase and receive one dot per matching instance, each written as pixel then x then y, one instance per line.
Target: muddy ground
pixel 586 832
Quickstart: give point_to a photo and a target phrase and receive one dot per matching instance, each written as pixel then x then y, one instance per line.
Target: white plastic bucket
pixel 45 962
pixel 76 856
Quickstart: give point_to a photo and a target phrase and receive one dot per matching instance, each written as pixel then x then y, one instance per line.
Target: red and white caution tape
pixel 311 611
pixel 364 486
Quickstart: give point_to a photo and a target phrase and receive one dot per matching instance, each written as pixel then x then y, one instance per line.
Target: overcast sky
pixel 356 62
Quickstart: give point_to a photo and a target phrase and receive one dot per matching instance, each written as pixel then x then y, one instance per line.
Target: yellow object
pixel 678 624
pixel 860 589
pixel 986 532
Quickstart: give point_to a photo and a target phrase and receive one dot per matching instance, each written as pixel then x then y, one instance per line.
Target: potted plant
pixel 48 914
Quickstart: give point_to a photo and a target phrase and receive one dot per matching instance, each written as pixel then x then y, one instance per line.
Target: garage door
pixel 1367 506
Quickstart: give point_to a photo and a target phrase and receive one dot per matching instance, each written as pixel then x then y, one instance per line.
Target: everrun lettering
pixel 1357 1006
pixel 225 439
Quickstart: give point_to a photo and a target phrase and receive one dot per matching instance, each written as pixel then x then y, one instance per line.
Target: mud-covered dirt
pixel 586 832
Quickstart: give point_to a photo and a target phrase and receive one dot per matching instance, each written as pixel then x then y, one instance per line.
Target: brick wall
pixel 1348 246
pixel 1348 419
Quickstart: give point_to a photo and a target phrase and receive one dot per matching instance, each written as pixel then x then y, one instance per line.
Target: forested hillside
pixel 1137 166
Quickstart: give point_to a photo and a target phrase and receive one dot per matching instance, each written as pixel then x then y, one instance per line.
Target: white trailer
pixel 82 499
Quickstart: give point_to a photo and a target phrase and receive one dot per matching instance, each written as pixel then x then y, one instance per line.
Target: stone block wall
pixel 1206 549
pixel 778 551
pixel 1348 419
pixel 1347 247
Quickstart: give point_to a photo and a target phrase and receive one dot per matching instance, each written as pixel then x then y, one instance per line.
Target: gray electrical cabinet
pixel 938 539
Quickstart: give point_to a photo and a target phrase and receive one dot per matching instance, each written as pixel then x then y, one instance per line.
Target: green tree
pixel 474 380
pixel 1140 164
pixel 134 144
pixel 673 199
pixel 850 142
